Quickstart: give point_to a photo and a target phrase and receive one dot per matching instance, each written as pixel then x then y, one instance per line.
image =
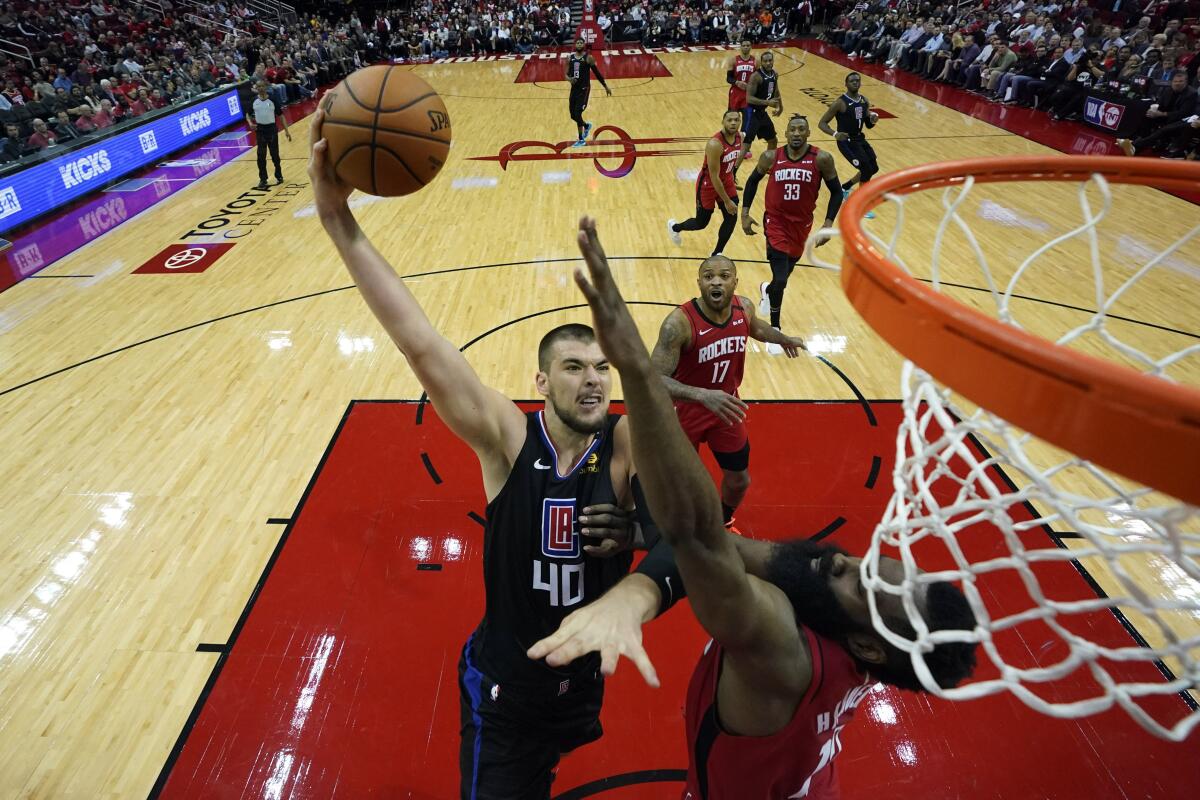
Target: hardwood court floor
pixel 153 423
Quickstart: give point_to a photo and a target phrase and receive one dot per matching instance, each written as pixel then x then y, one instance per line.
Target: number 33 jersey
pixel 535 571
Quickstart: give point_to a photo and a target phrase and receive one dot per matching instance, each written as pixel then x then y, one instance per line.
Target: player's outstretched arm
pixel 762 330
pixel 482 417
pixel 736 610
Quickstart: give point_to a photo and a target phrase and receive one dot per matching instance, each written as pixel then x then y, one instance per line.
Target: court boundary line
pixel 193 716
pixel 452 270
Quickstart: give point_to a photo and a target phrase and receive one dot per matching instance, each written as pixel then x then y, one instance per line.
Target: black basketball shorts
pixel 761 126
pixel 860 154
pixel 511 741
pixel 579 101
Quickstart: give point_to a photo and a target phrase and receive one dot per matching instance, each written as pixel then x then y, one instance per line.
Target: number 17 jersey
pixel 715 356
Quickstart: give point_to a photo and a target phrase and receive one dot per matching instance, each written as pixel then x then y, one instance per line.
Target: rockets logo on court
pixel 559 537
pixel 603 152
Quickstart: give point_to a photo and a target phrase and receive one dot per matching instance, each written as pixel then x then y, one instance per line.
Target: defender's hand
pixel 611 626
pixel 610 527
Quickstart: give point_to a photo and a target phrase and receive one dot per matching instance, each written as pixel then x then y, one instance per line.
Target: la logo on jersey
pixel 560 539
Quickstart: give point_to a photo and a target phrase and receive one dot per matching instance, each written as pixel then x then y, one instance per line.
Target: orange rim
pixel 1137 425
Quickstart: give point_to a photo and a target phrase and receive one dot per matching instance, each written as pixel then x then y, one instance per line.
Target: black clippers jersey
pixel 853 119
pixel 766 85
pixel 581 72
pixel 534 569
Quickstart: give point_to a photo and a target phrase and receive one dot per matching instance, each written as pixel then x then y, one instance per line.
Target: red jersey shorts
pixel 785 235
pixel 701 425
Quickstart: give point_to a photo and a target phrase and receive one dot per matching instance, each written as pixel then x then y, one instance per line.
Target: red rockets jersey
pixel 743 68
pixel 793 187
pixel 716 354
pixel 729 154
pixel 797 761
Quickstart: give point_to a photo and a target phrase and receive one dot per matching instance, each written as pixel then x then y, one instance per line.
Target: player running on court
pixel 794 173
pixel 714 185
pixel 701 353
pixel 580 67
pixel 853 113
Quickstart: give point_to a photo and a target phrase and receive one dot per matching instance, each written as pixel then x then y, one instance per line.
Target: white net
pixel 1085 586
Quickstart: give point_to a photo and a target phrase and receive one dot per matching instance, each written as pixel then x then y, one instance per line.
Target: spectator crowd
pixel 1045 55
pixel 73 67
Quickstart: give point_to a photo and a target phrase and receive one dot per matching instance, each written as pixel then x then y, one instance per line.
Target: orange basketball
pixel 387 130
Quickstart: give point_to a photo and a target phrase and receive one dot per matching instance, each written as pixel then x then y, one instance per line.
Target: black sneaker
pixel 262 186
pixel 278 179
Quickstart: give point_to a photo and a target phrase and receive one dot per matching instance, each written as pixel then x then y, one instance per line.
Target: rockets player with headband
pixel 701 352
pixel 793 649
pixel 794 173
pixel 738 70
pixel 714 184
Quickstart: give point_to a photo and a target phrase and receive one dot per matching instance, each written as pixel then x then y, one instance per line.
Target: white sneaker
pixel 674 234
pixel 764 302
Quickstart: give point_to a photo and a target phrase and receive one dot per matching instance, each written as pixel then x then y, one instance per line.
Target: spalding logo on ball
pixel 387 131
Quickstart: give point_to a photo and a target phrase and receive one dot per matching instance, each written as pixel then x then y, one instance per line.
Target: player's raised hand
pixel 615 330
pixel 611 626
pixel 329 192
pixel 729 409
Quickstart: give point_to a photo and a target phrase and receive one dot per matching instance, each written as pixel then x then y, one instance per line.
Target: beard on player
pixel 805 571
pixel 582 405
pixel 802 569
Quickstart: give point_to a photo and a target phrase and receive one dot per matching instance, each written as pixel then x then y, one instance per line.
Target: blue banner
pixel 41 188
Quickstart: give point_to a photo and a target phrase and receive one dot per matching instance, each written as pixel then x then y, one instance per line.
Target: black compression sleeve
pixel 659 563
pixel 729 77
pixel 751 189
pixel 835 197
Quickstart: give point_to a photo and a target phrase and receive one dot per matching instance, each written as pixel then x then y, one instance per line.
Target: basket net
pixel 1085 585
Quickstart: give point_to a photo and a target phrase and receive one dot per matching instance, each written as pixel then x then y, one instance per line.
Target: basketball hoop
pixel 1009 437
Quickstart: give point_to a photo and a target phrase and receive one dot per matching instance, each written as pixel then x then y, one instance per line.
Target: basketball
pixel 387 131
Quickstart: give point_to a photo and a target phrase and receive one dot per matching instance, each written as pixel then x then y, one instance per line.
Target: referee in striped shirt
pixel 264 111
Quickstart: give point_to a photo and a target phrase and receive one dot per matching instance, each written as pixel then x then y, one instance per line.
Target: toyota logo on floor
pixel 183 258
